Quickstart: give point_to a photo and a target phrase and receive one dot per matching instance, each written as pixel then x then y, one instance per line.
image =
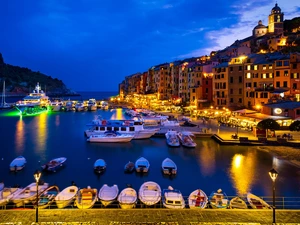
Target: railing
pixel 280 203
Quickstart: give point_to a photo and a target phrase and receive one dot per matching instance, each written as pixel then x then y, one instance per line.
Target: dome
pixel 276 9
pixel 260 25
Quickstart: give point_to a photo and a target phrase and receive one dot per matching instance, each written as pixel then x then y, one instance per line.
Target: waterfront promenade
pixel 149 216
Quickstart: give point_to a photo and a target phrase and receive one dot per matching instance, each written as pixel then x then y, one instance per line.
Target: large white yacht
pixel 100 126
pixel 34 103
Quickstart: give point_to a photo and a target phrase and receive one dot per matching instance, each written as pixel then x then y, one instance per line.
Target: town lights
pixel 273 174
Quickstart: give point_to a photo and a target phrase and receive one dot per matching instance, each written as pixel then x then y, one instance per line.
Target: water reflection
pixel 118 115
pixel 19 136
pixel 57 120
pixel 40 132
pixel 242 172
pixel 207 159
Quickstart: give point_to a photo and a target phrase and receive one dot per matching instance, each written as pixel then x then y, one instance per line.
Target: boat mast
pixel 3 95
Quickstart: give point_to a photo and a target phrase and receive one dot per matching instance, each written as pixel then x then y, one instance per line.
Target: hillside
pixel 20 80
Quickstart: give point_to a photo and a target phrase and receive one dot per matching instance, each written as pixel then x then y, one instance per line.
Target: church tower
pixel 276 20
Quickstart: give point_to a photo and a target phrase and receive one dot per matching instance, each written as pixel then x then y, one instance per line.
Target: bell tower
pixel 275 20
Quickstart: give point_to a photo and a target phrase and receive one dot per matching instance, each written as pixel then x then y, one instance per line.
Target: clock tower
pixel 275 25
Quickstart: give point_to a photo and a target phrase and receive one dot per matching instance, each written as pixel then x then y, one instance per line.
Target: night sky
pixel 91 45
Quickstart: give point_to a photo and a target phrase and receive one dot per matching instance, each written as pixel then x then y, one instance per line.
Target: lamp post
pixel 37 176
pixel 273 174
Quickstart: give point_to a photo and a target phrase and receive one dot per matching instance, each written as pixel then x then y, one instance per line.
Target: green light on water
pixel 15 112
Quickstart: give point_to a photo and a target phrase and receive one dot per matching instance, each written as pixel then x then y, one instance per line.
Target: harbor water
pixel 210 166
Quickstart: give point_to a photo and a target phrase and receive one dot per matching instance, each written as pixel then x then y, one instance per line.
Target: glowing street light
pixel 37 176
pixel 273 174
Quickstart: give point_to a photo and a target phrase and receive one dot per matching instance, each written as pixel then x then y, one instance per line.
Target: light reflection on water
pixel 19 136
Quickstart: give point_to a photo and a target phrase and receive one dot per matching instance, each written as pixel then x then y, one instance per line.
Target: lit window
pixel 255 67
pixel 264 76
pixel 249 67
pixel 248 76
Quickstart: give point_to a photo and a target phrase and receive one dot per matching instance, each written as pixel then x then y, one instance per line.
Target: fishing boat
pixel 99 166
pixel 66 197
pixel 28 194
pixel 142 165
pixel 169 167
pixel 185 138
pixel 134 127
pixel 108 194
pixel 17 164
pixel 173 199
pixel 110 137
pixel 218 200
pixel 129 167
pixel 150 193
pixel 54 164
pixel 256 202
pixel 34 103
pixel 86 198
pixel 47 197
pixel 197 199
pixel 172 138
pixel 6 194
pixel 127 198
pixel 237 203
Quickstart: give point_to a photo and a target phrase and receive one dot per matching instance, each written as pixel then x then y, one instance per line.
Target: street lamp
pixel 37 175
pixel 273 174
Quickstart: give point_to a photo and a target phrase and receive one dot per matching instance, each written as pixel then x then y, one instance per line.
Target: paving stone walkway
pixel 148 216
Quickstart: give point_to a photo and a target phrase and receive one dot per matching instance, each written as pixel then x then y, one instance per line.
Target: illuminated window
pixel 255 67
pixel 271 75
pixel 270 67
pixel 248 75
pixel 264 76
pixel 249 67
pixel 264 67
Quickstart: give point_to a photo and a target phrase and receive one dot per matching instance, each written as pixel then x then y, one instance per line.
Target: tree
pixel 268 124
pixel 295 126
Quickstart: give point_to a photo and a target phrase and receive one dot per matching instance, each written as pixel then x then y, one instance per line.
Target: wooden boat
pixel 172 138
pixel 127 198
pixel 47 197
pixel 66 196
pixel 186 139
pixel 150 193
pixel 173 199
pixel 218 200
pixel 237 203
pixel 99 166
pixel 169 167
pixel 198 199
pixel 110 137
pixel 86 198
pixel 129 167
pixel 6 194
pixel 17 164
pixel 27 194
pixel 256 202
pixel 54 164
pixel 142 165
pixel 108 194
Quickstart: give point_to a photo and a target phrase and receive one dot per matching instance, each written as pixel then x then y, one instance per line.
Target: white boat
pixel 150 193
pixel 92 104
pixel 169 167
pixel 54 164
pixel 134 127
pixel 108 194
pixel 197 199
pixel 27 194
pixel 17 164
pixel 172 138
pixel 47 197
pixel 218 200
pixel 34 103
pixel 79 106
pixel 86 198
pixel 186 139
pixel 142 165
pixel 110 137
pixel 56 105
pixel 66 196
pixel 69 106
pixel 256 202
pixel 237 203
pixel 127 198
pixel 99 166
pixel 3 104
pixel 173 199
pixel 6 194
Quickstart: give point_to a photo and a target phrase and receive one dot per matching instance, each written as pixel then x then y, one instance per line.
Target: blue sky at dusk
pixel 93 44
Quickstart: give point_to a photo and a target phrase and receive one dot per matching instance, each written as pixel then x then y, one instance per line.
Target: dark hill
pixel 20 80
